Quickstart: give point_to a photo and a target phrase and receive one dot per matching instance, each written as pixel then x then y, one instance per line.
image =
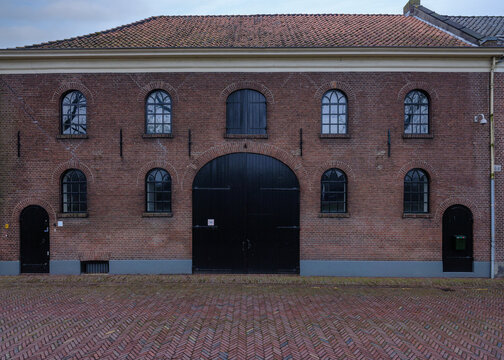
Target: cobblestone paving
pixel 249 317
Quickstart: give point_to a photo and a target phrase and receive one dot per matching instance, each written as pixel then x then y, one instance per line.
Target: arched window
pixel 334 192
pixel 416 113
pixel 158 191
pixel 416 192
pixel 73 192
pixel 158 111
pixel 246 113
pixel 73 113
pixel 334 113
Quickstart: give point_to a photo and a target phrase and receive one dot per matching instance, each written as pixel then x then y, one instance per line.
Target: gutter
pixel 39 54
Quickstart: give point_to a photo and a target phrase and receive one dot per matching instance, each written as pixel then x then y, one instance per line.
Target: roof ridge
pixel 281 14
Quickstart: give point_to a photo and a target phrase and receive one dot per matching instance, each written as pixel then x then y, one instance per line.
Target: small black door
pixel 458 239
pixel 246 216
pixel 34 225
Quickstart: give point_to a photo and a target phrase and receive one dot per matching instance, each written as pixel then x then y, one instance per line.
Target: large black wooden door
pixel 246 215
pixel 34 226
pixel 457 239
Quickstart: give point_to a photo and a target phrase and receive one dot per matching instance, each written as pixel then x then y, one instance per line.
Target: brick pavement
pixel 249 317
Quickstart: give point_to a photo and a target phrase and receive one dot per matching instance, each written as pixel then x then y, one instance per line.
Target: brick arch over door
pixel 457 200
pixel 27 201
pixel 248 147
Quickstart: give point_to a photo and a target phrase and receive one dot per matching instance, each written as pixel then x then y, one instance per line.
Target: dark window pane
pixel 333 191
pixel 73 191
pixel 416 192
pixel 158 191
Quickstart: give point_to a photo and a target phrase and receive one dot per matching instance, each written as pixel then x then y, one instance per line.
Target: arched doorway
pixel 246 215
pixel 34 240
pixel 457 239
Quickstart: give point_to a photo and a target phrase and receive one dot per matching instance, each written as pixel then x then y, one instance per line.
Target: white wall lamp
pixel 480 118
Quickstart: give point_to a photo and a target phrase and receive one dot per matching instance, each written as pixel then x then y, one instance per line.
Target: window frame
pixel 429 127
pixel 64 194
pixel 62 115
pixel 155 202
pixel 345 192
pixel 244 108
pixel 425 194
pixel 338 104
pixel 163 123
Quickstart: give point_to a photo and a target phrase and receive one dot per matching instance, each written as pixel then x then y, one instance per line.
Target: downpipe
pixel 492 172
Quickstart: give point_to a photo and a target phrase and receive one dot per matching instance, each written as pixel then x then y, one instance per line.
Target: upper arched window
pixel 74 113
pixel 416 113
pixel 73 191
pixel 334 113
pixel 158 113
pixel 416 192
pixel 246 113
pixel 334 192
pixel 158 191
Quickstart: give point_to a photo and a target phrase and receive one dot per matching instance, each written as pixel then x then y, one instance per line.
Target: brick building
pixel 312 144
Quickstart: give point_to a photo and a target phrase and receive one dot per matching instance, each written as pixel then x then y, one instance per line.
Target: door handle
pixel 47 252
pixel 46 230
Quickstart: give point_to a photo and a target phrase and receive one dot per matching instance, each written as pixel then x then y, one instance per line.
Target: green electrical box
pixel 460 242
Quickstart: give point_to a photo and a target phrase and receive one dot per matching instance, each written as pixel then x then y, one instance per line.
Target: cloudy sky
pixel 24 22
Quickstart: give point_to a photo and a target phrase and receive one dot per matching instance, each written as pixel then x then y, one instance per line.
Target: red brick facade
pixel 456 159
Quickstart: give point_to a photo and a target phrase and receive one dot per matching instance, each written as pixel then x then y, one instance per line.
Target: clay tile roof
pixel 265 31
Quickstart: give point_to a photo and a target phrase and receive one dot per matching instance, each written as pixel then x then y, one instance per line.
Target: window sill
pixel 245 136
pixel 157 214
pixel 417 216
pixel 334 136
pixel 72 136
pixel 418 136
pixel 334 215
pixel 157 136
pixel 73 215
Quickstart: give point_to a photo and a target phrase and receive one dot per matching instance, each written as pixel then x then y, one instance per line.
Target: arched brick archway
pixel 245 146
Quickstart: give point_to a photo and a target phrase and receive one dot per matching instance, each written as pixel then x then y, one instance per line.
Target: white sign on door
pixel 211 222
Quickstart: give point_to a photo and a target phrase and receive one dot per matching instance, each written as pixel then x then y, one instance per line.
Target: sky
pixel 26 22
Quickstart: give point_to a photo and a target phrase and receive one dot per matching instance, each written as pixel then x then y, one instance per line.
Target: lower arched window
pixel 334 192
pixel 416 192
pixel 158 191
pixel 73 192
